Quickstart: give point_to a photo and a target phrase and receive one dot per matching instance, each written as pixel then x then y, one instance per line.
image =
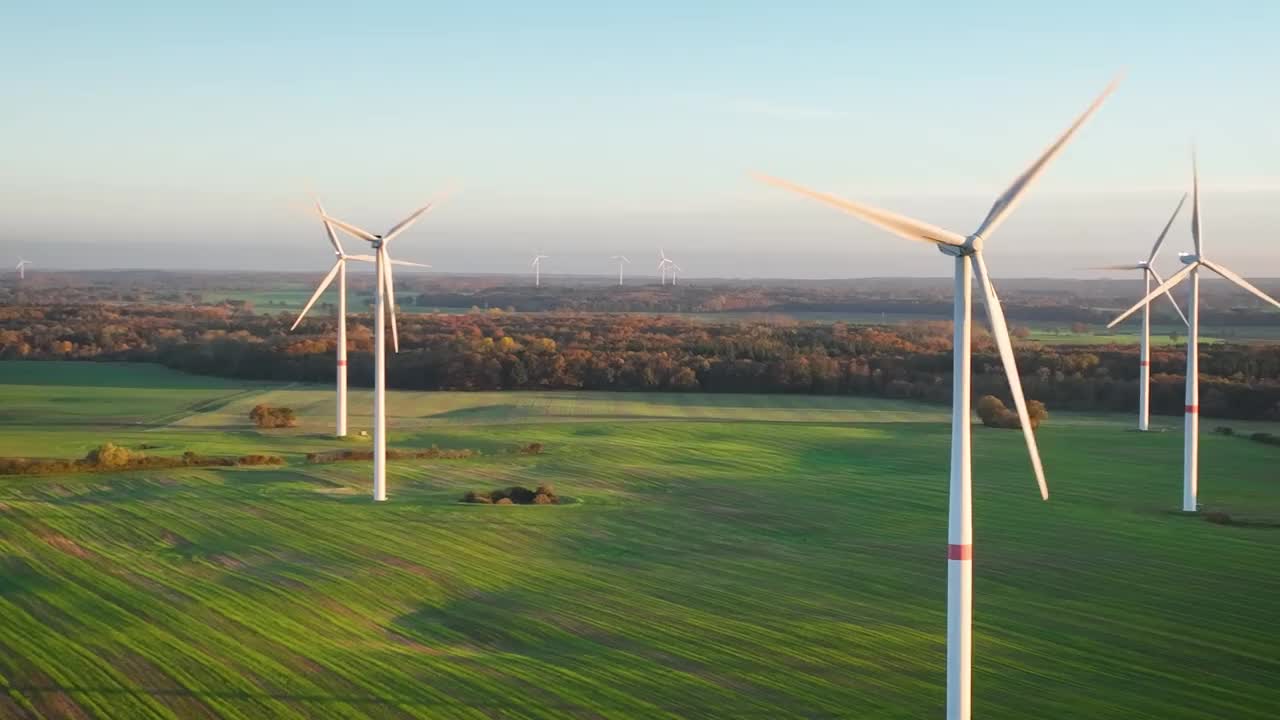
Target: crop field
pixel 722 556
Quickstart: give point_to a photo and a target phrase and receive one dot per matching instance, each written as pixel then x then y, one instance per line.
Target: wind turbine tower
pixel 1144 354
pixel 968 261
pixel 622 261
pixel 384 294
pixel 665 265
pixel 537 269
pixel 1193 262
pixel 340 272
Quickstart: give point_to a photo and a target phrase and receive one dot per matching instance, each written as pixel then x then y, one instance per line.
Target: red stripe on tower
pixel 342 363
pixel 1144 363
pixel 959 552
pixel 1193 408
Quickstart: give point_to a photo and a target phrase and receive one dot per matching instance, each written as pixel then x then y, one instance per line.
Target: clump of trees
pixel 993 413
pixel 514 495
pixel 265 416
pixel 109 457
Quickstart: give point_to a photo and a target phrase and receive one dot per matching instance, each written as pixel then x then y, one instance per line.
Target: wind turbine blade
pixel 625 260
pixel 1169 295
pixel 1000 332
pixel 1245 284
pixel 324 285
pixel 1173 280
pixel 362 258
pixel 1130 266
pixel 328 228
pixel 352 229
pixel 1195 202
pixel 1010 198
pixel 1160 240
pixel 406 223
pixel 406 263
pixel 390 295
pixel 899 225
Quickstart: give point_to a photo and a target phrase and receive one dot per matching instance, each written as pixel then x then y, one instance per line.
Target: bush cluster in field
pixel 265 416
pixel 514 495
pixel 110 456
pixel 993 413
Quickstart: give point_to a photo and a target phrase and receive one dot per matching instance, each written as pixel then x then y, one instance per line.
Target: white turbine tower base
pixel 968 257
pixel 1191 417
pixel 384 294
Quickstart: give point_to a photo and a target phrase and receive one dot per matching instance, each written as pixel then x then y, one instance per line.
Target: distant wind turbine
pixel 384 294
pixel 22 268
pixel 1144 359
pixel 967 252
pixel 537 269
pixel 1193 261
pixel 667 265
pixel 622 261
pixel 340 271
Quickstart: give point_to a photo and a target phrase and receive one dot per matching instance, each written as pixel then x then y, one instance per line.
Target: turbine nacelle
pixel 1188 258
pixel 971 245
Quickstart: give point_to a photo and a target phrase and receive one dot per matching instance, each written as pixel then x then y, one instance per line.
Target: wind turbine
pixel 537 269
pixel 385 293
pixel 340 271
pixel 622 260
pixel 666 264
pixel 22 268
pixel 1193 261
pixel 968 255
pixel 1144 359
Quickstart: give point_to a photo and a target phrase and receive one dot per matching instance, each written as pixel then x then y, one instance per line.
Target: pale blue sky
pixel 580 131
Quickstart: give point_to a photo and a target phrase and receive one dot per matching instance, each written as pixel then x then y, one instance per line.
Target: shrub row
pixel 110 457
pixel 1265 438
pixel 433 453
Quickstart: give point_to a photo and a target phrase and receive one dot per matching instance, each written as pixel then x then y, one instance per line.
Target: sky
pixel 184 135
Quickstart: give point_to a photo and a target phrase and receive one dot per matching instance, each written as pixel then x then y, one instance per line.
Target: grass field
pixel 729 556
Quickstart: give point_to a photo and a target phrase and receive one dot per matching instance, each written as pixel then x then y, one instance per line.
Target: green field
pixel 728 556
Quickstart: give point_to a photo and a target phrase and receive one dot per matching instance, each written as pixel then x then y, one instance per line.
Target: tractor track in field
pixel 205 406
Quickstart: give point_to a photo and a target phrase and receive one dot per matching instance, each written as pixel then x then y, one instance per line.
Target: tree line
pixel 599 351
